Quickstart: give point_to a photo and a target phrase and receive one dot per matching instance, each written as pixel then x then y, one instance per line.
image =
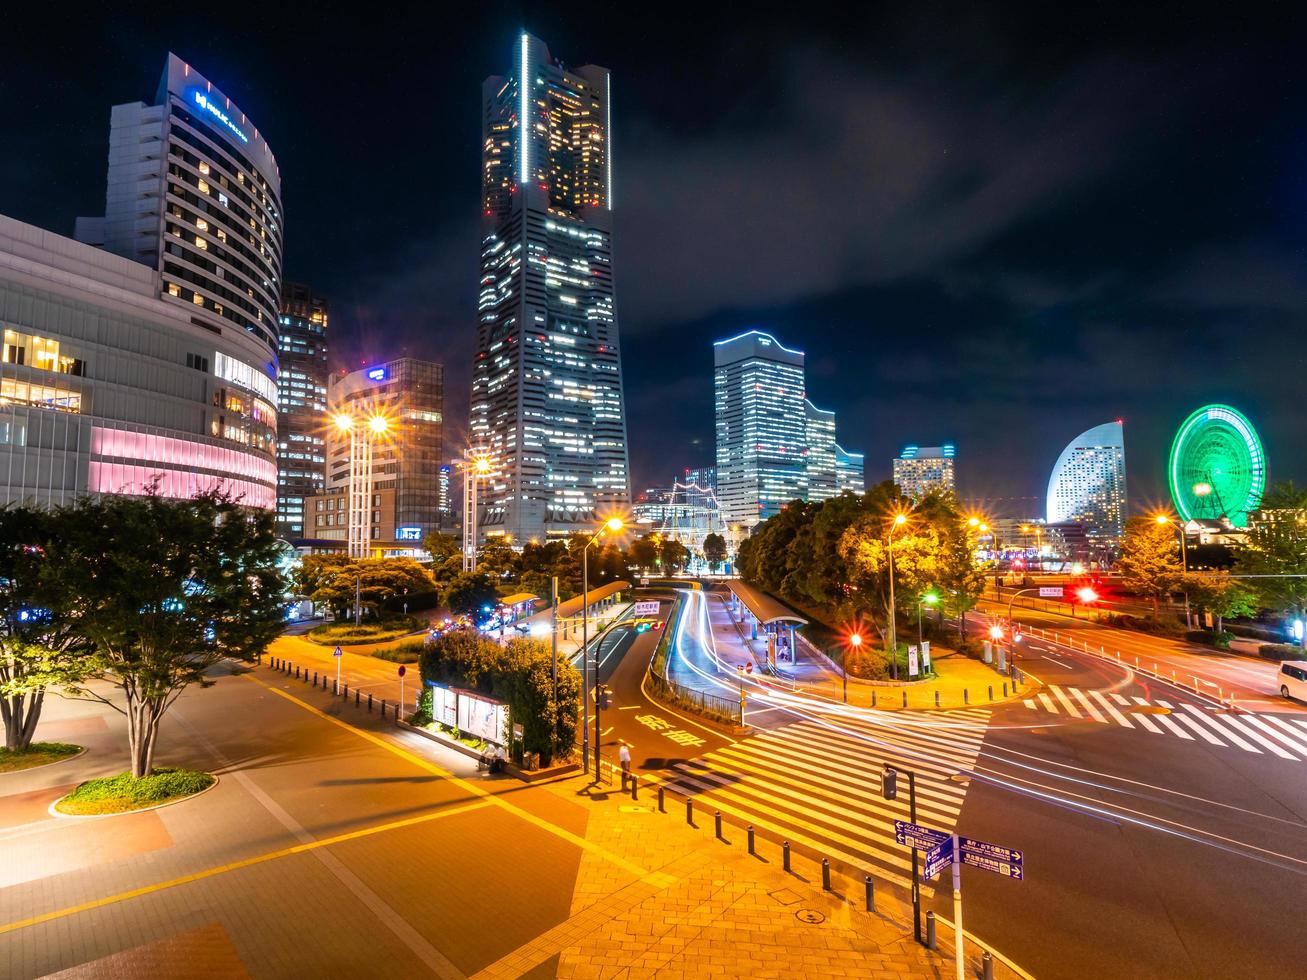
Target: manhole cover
pixel 810 916
pixel 785 896
pixel 1150 709
pixel 631 808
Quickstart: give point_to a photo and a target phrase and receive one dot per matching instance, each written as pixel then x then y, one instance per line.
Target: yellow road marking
pixel 238 865
pixel 470 787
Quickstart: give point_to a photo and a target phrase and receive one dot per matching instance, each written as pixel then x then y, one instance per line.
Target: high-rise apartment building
pixel 402 503
pixel 704 477
pixel 920 469
pixel 195 194
pixel 1087 486
pixel 820 434
pixel 547 402
pixel 761 427
pixel 849 475
pixel 301 405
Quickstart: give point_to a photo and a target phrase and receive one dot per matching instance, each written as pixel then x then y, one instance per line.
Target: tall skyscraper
pixel 1087 485
pixel 849 476
pixel 704 477
pixel 547 399
pixel 920 469
pixel 820 434
pixel 194 193
pixel 301 406
pixel 403 501
pixel 761 427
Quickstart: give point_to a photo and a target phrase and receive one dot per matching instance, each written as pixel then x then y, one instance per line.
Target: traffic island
pixel 126 793
pixel 38 754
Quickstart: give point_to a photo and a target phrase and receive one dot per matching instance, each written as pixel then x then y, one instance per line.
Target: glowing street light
pixel 899 520
pixel 1087 595
pixel 476 464
pixel 359 488
pixel 613 525
pixel 378 425
pixel 996 632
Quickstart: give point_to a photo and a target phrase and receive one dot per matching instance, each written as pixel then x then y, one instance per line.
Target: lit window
pixel 201 244
pixel 174 289
pixel 222 199
pixel 204 167
pixel 197 299
pixel 201 224
pixel 203 186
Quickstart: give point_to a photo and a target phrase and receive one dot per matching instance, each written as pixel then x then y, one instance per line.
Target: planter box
pixel 559 769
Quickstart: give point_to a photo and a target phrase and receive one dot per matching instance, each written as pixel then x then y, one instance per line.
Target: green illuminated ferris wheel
pixel 1218 466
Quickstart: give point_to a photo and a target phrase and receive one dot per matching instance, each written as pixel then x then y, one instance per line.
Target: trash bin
pixel 530 761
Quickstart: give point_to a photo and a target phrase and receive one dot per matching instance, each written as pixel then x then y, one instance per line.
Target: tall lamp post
pixel 359 489
pixel 898 522
pixel 612 525
pixel 1039 541
pixel 476 464
pixel 1179 528
pixel 929 599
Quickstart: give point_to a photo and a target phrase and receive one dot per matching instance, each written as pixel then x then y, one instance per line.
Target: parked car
pixel 1293 679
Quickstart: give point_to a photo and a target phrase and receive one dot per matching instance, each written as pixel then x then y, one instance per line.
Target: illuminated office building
pixel 704 477
pixel 820 435
pixel 404 504
pixel 761 427
pixel 547 399
pixel 194 193
pixel 849 475
pixel 921 469
pixel 1087 485
pixel 301 405
pixel 105 388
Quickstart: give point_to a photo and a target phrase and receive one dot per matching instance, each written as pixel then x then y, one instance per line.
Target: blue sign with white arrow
pixel 994 858
pixel 915 835
pixel 939 857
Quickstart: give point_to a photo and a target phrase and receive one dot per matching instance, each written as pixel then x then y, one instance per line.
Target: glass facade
pixel 849 475
pixel 920 469
pixel 761 427
pixel 820 452
pixel 302 406
pixel 1087 486
pixel 547 402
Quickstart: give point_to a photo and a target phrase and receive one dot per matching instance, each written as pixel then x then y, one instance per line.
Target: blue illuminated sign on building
pixel 217 113
pixel 377 374
pixel 408 532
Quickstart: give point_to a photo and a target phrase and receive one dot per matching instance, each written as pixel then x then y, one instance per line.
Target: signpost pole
pixel 339 657
pixel 916 874
pixel 401 691
pixel 958 942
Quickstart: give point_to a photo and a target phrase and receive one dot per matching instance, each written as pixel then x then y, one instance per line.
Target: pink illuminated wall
pixel 178 476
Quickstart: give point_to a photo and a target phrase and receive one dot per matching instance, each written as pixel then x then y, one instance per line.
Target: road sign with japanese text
pixel 1050 592
pixel 938 858
pixel 915 835
pixel 648 607
pixel 994 858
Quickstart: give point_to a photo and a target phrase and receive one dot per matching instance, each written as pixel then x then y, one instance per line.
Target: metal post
pixel 661 794
pixel 916 872
pixel 958 942
pixel 937 699
pixel 825 874
pixel 358 602
pixel 585 668
pixel 871 895
pixel 930 930
pixel 635 786
pixel 749 831
pixel 893 636
pixel 689 812
pixel 553 634
pixel 717 824
pixel 785 855
pixel 369 700
pixel 987 966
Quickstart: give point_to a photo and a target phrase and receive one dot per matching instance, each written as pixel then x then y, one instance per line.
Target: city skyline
pixel 1031 325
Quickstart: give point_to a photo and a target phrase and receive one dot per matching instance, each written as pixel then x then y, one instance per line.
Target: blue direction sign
pixel 939 857
pixel 915 835
pixel 991 857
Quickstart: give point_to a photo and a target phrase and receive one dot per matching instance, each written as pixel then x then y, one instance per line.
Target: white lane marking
pixel 1089 705
pixel 1120 719
pixel 1267 743
pixel 1056 661
pixel 1029 703
pixel 1192 712
pixel 1202 731
pixel 1172 727
pixel 1280 722
pixel 1072 710
pixel 1144 719
pixel 1047 702
pixel 1120 699
pixel 1294 742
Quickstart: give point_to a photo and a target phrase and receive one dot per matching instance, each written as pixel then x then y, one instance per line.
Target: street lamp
pixel 359 489
pixel 1178 527
pixel 898 522
pixel 476 464
pixel 613 525
pixel 855 641
pixel 929 599
pixel 1039 541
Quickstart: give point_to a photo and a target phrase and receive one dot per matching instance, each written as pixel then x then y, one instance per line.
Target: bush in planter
pixel 1282 651
pixel 1211 638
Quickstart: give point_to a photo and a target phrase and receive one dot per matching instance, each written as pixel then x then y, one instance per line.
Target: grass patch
pixel 405 653
pixel 36 754
pixel 376 631
pixel 118 794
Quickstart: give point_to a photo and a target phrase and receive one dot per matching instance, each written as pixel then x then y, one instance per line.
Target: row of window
pixel 40 352
pixel 13 392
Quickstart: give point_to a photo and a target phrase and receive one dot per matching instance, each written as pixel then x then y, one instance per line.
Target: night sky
pixel 994 228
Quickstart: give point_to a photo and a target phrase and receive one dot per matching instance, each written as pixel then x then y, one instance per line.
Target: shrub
pixel 372 631
pixel 1211 638
pixel 1282 651
pixel 115 794
pixel 404 653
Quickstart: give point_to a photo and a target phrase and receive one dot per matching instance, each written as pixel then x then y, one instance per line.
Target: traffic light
pixel 889 783
pixel 605 697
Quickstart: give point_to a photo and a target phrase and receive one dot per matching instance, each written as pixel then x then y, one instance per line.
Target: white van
pixel 1293 679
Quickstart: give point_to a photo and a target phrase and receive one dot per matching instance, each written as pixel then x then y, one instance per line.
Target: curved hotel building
pixel 1087 485
pixel 154 366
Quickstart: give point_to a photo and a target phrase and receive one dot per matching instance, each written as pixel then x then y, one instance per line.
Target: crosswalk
pixel 1264 734
pixel 817 782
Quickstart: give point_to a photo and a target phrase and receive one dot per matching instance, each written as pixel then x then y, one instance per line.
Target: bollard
pixel 905 699
pixel 383 707
pixel 689 812
pixel 297 671
pixel 937 699
pixel 785 855
pixel 345 691
pixel 661 794
pixel 825 874
pixel 871 895
pixel 930 930
pixel 991 692
pixel 356 697
pixel 966 696
pixel 635 786
pixel 334 686
pixel 315 678
pixel 1005 689
pixel 749 831
pixel 369 701
pixel 717 824
pixel 987 966
pixel 873 699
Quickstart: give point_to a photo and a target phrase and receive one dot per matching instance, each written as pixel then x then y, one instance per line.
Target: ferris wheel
pixel 1217 467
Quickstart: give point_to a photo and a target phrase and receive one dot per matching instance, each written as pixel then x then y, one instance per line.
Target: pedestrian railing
pixel 727 711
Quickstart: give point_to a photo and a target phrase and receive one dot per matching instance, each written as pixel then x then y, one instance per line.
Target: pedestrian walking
pixel 624 757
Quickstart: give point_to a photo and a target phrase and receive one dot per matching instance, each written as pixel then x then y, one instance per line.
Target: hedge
pixel 1211 638
pixel 1282 651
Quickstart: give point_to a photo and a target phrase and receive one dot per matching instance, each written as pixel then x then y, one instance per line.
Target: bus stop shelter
pixel 757 610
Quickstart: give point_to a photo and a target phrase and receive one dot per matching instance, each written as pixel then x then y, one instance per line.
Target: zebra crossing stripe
pixel 1120 699
pixel 1172 727
pixel 947 752
pixel 1047 702
pixel 1030 703
pixel 1145 720
pixel 1182 718
pixel 1281 723
pixel 1089 705
pixel 1290 740
pixel 1231 720
pixel 1195 714
pixel 1071 708
pixel 1121 719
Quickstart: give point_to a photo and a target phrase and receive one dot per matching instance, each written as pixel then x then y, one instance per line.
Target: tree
pixel 865 547
pixel 643 553
pixel 468 593
pixel 374 581
pixel 442 547
pixel 1277 549
pixel 499 561
pixel 714 550
pixel 961 576
pixel 37 649
pixel 161 590
pixel 1222 596
pixel 1148 563
pixel 673 554
pixel 315 571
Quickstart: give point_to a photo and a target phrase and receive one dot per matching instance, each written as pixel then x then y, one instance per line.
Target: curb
pixel 127 813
